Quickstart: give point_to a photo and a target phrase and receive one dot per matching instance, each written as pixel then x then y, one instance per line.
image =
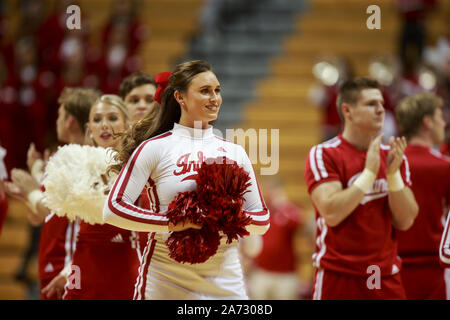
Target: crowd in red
pixel 42 56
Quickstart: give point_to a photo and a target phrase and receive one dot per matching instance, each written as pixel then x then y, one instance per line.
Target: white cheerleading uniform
pixel 166 165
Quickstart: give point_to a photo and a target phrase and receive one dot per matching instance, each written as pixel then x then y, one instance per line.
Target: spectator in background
pixel 421 121
pixel 325 94
pixel 32 84
pixel 31 18
pixel 118 60
pixel 51 34
pixel 275 270
pixel 413 32
pixel 124 12
pixel 8 114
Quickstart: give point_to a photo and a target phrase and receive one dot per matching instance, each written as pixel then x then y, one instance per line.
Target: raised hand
pixel 23 180
pixel 32 156
pixel 373 155
pixel 13 191
pixel 395 155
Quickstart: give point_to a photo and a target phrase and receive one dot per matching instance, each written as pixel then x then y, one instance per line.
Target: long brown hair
pixel 159 120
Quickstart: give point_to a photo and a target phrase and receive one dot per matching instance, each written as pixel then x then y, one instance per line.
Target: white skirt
pixel 161 278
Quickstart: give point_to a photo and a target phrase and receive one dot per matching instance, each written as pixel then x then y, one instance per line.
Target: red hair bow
pixel 162 80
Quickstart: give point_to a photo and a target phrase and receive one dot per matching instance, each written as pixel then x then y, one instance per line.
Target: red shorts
pixel 424 281
pixel 330 285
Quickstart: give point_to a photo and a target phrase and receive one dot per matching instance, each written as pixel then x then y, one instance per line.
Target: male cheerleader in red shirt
pixel 421 120
pixel 58 234
pixel 360 190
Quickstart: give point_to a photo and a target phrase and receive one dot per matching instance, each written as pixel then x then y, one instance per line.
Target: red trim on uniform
pixel 147 264
pixel 444 241
pixel 125 205
pixel 155 194
pixel 260 223
pixel 222 139
pixel 259 213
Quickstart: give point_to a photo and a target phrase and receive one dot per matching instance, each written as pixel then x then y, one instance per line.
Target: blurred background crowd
pixel 280 64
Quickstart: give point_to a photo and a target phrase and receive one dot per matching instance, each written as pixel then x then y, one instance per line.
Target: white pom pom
pixel 73 182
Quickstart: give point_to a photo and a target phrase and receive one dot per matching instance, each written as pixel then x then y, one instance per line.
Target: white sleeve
pixel 119 209
pixel 254 205
pixel 444 248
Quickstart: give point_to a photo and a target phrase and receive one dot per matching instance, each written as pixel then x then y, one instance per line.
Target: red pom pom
pixel 193 246
pixel 184 207
pixel 216 205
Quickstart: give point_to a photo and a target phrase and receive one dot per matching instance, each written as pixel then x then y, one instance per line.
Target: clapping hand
pixel 395 155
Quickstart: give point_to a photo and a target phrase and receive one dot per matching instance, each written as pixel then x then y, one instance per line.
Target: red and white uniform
pixel 166 165
pixel 444 248
pixel 366 238
pixel 56 246
pixel 423 278
pixel 107 261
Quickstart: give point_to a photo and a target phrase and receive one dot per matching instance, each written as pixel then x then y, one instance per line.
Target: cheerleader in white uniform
pixel 164 159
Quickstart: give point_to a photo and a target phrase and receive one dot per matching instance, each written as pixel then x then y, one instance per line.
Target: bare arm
pixel 23 185
pixel 404 208
pixel 334 203
pixel 402 202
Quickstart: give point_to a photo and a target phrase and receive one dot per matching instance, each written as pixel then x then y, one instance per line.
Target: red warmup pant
pixel 424 281
pixel 330 285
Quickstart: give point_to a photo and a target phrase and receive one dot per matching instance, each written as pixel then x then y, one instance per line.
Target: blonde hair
pixel 411 111
pixel 116 101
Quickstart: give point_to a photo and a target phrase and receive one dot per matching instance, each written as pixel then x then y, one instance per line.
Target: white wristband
pixel 34 197
pixel 365 180
pixel 395 181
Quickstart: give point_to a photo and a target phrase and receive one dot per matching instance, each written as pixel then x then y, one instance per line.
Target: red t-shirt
pixel 366 237
pixel 278 253
pixel 430 174
pixel 445 149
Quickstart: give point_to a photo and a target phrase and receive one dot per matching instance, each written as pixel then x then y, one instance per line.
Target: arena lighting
pixel 427 79
pixel 381 72
pixel 326 73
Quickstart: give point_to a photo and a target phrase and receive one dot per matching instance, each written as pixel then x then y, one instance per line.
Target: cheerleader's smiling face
pixel 201 101
pixel 105 120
